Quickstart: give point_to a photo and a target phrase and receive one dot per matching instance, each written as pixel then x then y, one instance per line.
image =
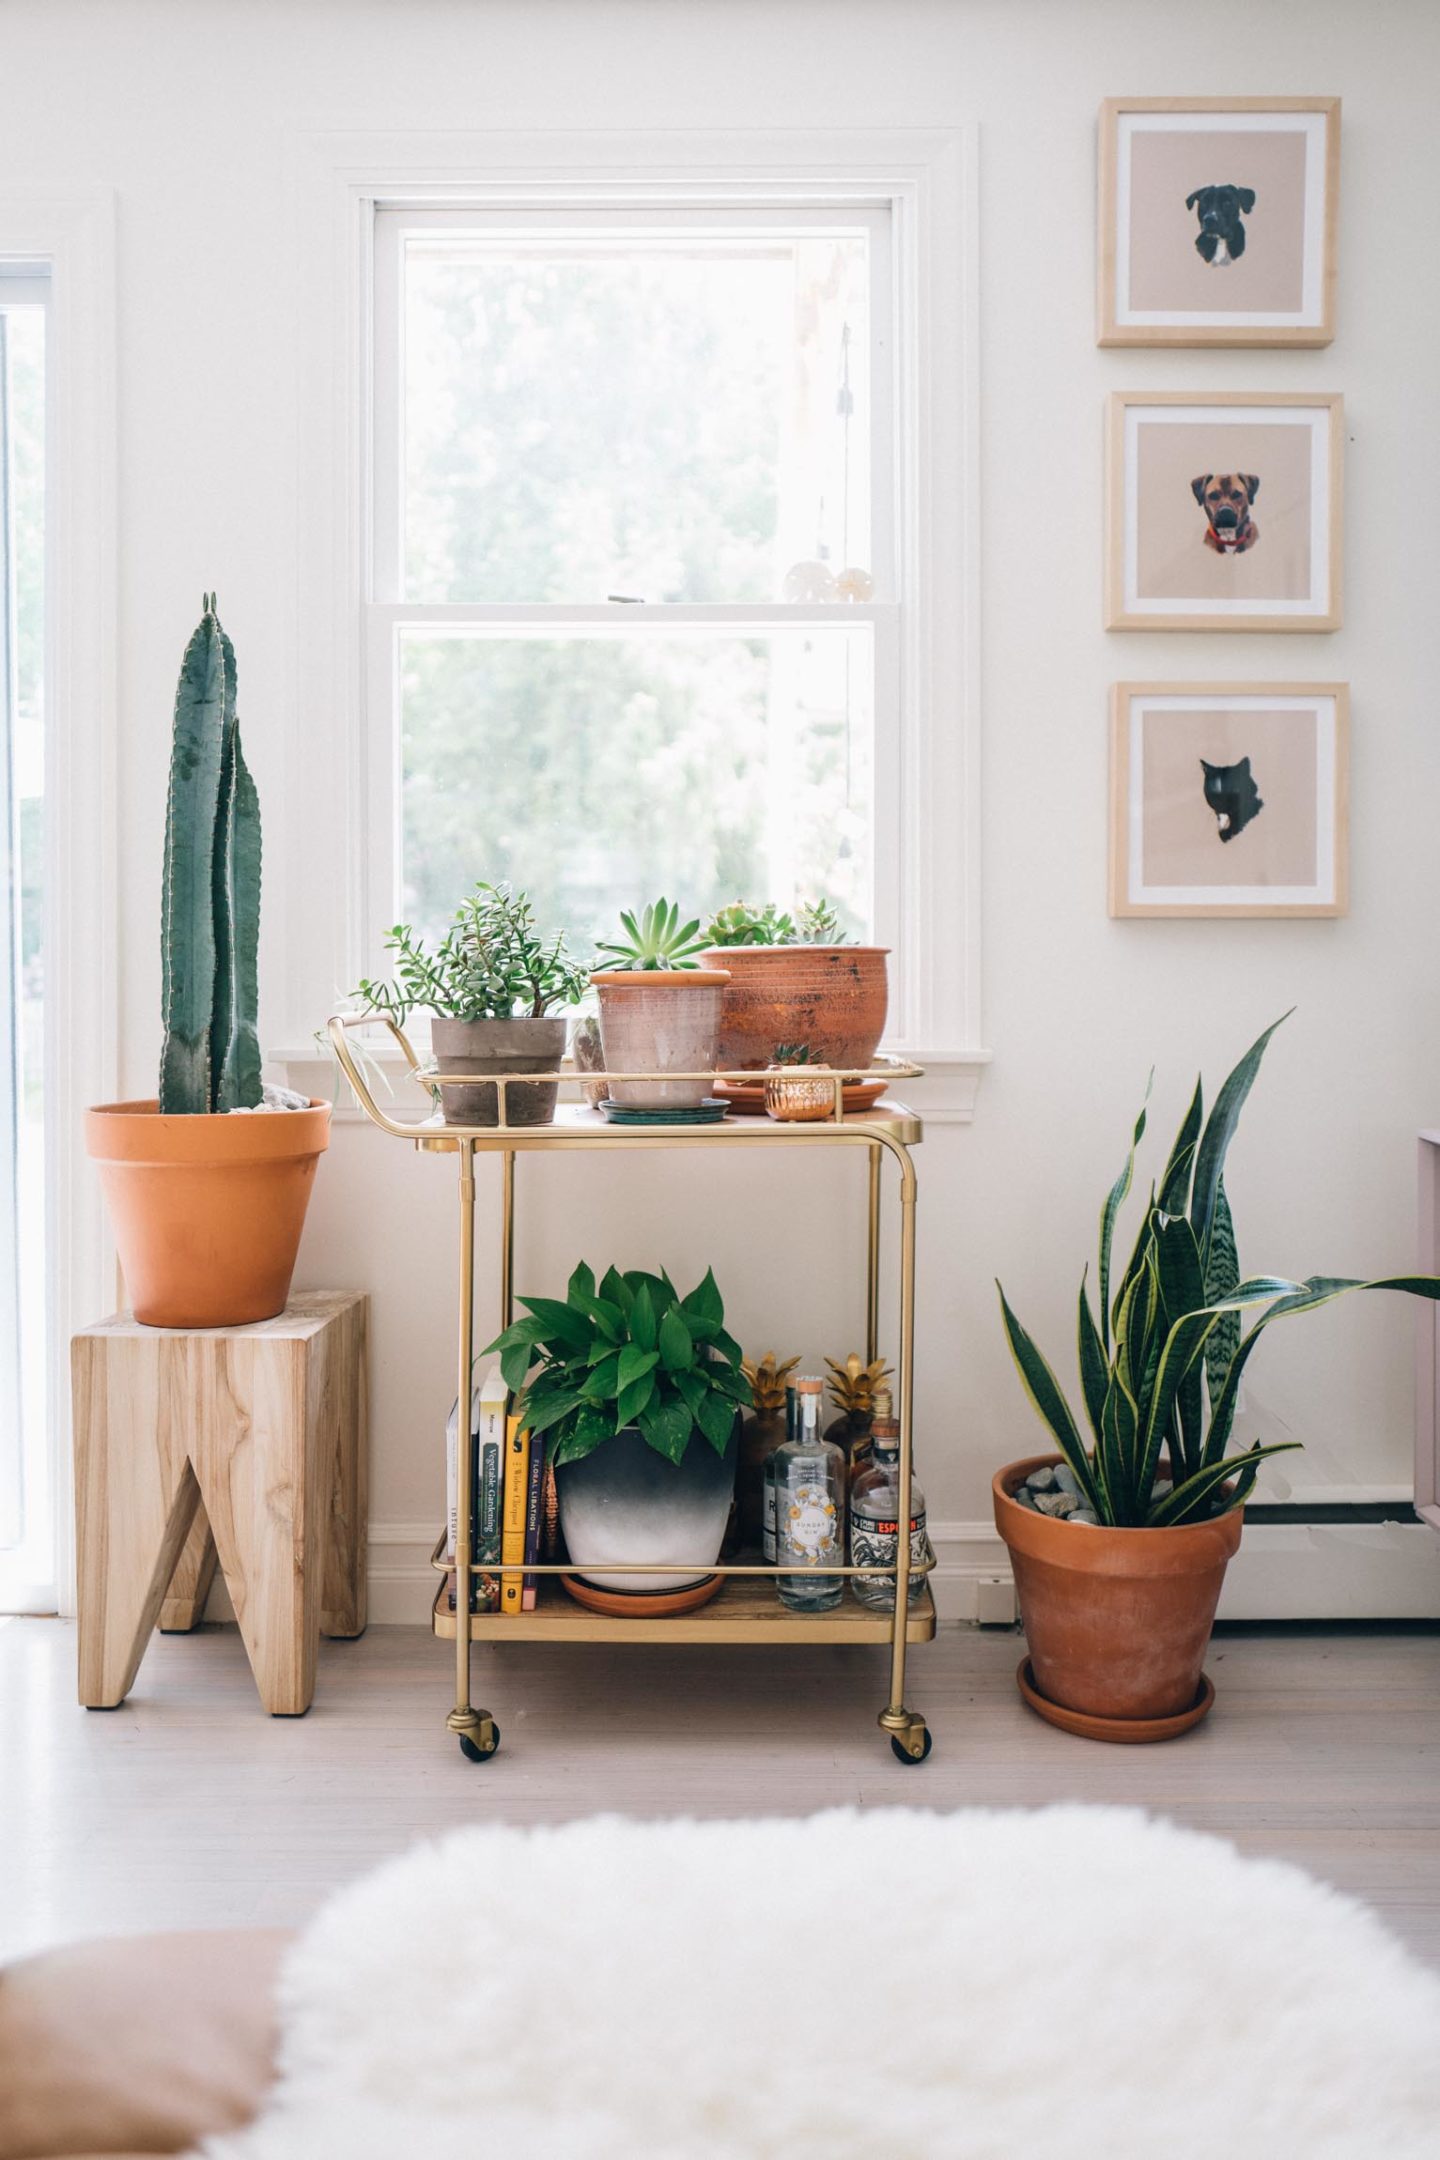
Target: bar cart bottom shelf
pixel 746 1610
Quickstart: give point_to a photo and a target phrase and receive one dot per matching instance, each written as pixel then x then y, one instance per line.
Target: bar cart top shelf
pixel 576 1126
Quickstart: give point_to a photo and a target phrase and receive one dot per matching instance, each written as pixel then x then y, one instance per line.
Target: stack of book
pixel 508 1511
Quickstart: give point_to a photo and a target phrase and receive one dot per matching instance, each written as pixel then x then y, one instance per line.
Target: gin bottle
pixel 875 1521
pixel 809 1487
pixel 768 1502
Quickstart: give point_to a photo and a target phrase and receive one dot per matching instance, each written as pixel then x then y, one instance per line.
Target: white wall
pixel 190 114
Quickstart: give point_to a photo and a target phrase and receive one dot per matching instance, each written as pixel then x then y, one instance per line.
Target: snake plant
pixel 210 923
pixel 1160 1369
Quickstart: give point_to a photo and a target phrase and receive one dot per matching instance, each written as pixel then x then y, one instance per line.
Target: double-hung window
pixel 634 620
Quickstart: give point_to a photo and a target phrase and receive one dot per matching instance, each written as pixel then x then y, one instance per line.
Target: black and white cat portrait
pixel 1230 791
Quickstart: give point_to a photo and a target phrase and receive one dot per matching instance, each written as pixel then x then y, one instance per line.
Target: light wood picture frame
pixel 1229 799
pixel 1218 221
pixel 1184 549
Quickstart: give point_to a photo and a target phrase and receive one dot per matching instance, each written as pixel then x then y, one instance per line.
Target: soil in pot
pixel 207 1211
pixel 1117 1621
pixel 525 1045
pixel 665 1020
pixel 833 997
pixel 626 1502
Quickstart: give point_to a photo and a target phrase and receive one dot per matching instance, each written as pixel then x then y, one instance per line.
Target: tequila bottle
pixel 875 1521
pixel 809 1487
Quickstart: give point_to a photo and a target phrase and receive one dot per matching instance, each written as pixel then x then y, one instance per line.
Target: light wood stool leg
pixel 338 1412
pixel 134 1505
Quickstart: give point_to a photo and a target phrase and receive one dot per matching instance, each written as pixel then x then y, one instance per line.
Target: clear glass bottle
pixel 768 1502
pixel 875 1521
pixel 809 1486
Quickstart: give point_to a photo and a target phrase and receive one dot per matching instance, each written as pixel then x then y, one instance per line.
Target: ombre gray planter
pixel 626 1502
pixel 498 1046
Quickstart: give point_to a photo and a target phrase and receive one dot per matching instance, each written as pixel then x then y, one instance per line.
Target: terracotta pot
pixel 207 1211
pixel 833 997
pixel 1117 1621
pixel 524 1045
pixel 661 1020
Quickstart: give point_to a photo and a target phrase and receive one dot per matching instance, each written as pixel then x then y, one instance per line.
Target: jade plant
pixel 655 942
pixel 1161 1365
pixel 491 964
pixel 630 1352
pixel 210 923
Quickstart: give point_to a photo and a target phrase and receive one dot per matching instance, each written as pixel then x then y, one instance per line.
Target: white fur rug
pixel 1072 1983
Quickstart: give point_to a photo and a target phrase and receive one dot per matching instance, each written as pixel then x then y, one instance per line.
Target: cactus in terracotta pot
pixel 210 924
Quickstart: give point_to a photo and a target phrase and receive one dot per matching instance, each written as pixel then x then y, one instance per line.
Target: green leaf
pixel 727 1380
pixel 603 1381
pixel 1114 1200
pixel 1118 1424
pixel 704 1301
pixel 667 1429
pixel 643 1327
pixel 727 1346
pixel 677 1351
pixel 515 1362
pixel 1190 1499
pixel 1094 1377
pixel 582 1280
pixel 1218 1133
pixel 1045 1392
pixel 617 1291
pixel 543 1411
pixel 693 1391
pixel 633 1363
pixel 608 1318
pixel 633 1399
pixel 716 1419
pixel 1222 1273
pixel 561 1321
pixel 1175 1185
pixel 1184 1344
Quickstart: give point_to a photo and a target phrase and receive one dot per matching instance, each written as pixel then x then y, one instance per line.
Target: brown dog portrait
pixel 1226 498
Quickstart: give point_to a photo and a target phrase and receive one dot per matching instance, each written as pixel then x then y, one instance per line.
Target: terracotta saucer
pixel 749 1101
pixel 641 1604
pixel 1113 1728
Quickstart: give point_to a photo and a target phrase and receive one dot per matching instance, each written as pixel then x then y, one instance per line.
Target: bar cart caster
pixel 910 1740
pixel 478 1733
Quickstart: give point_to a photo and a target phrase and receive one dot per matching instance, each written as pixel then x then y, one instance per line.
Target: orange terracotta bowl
pixel 207 1211
pixel 1118 1621
pixel 833 997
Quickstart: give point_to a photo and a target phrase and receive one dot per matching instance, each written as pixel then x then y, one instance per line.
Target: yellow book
pixel 517 1487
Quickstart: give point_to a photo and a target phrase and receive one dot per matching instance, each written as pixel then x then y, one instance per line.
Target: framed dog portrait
pixel 1217 220
pixel 1224 510
pixel 1229 799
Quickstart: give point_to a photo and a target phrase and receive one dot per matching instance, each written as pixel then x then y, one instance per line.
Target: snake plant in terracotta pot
pixel 208 1205
pixel 659 1009
pixel 491 986
pixel 1120 1542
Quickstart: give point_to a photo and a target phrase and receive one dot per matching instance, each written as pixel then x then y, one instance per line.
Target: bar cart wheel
pixel 914 1747
pixel 474 1752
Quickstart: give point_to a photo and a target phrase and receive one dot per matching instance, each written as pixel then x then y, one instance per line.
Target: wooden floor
pixel 190 1808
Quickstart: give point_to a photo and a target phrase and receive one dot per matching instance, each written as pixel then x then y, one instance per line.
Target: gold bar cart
pixel 747 1611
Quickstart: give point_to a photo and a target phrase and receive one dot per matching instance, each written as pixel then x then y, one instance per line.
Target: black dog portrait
pixel 1230 791
pixel 1221 238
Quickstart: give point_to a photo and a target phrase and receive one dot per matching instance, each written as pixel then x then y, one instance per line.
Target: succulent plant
pixel 655 942
pixel 793 1054
pixel 490 965
pixel 210 918
pixel 741 924
pixel 819 924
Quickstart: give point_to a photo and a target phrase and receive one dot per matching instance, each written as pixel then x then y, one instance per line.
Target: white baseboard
pixel 1283 1571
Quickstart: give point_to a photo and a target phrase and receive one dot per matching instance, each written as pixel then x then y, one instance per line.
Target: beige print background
pixel 1181 842
pixel 1165 271
pixel 1172 560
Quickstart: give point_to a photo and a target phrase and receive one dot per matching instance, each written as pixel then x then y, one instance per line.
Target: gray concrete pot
pixel 498 1046
pixel 625 1502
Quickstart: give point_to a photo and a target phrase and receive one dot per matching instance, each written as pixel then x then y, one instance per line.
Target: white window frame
pixel 927 805
pixel 72 232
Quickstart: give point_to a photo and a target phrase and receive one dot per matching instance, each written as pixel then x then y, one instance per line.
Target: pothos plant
pixel 1161 1366
pixel 630 1352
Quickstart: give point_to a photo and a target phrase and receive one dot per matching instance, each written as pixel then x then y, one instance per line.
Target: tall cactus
pixel 210 926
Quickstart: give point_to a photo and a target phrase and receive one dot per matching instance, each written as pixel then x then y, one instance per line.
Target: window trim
pixel 927 178
pixel 73 232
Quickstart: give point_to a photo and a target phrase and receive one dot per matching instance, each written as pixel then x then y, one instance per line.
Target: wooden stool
pixel 262 1430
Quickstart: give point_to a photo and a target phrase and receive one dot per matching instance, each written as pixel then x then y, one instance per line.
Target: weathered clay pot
pixel 499 1046
pixel 661 1020
pixel 207 1211
pixel 833 997
pixel 1117 1621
